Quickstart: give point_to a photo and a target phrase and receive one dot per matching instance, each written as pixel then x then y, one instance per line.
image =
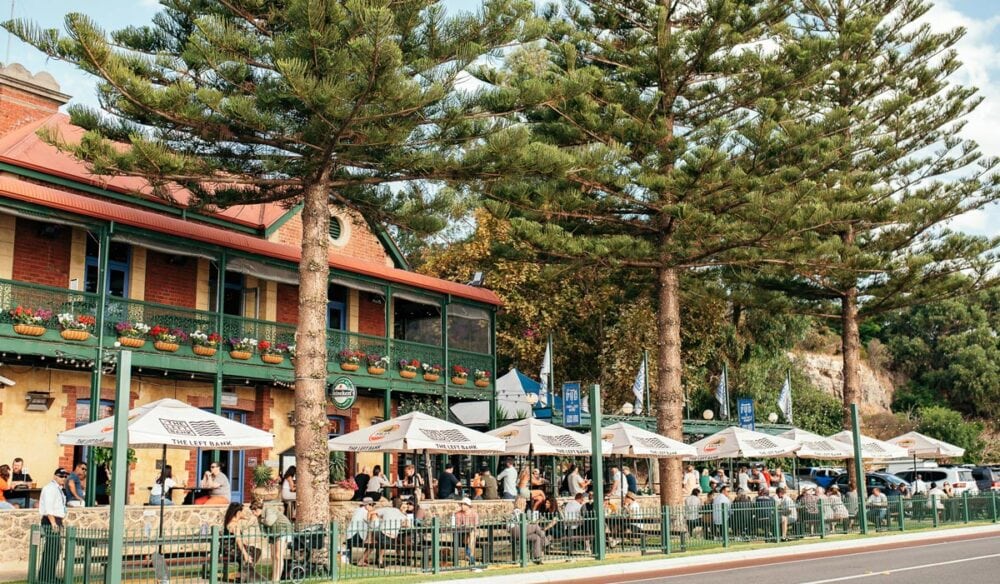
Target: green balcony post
pixel 213 559
pixel 725 526
pixel 70 534
pixel 436 547
pixel 993 501
pixel 522 543
pixel 103 246
pixel 597 471
pixel 859 470
pixel 822 520
pixel 777 522
pixel 965 506
pixel 33 540
pixel 447 366
pixel 665 529
pixel 902 514
pixel 934 510
pixel 333 552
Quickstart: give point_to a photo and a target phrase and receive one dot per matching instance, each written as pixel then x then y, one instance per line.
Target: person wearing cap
pixel 358 528
pixel 466 520
pixel 52 509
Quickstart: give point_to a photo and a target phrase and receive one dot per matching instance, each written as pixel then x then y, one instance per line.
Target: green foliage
pixel 263 476
pixel 432 405
pixel 103 457
pixel 946 424
pixel 338 466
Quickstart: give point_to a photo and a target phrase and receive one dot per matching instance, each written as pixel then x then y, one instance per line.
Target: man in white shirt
pixel 919 486
pixel 878 505
pixel 618 486
pixel 721 505
pixel 743 479
pixel 691 480
pixel 508 481
pixel 574 508
pixel 357 528
pixel 52 509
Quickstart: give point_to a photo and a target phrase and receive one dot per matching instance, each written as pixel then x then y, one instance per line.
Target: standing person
pixel 376 483
pixel 523 482
pixel 508 481
pixel 720 508
pixel 787 512
pixel 279 530
pixel 288 491
pixel 691 480
pixel 778 478
pixel 744 481
pixel 466 522
pixel 477 486
pixel 52 510
pixel 490 486
pixel 447 482
pixel 919 486
pixel 692 509
pixel 361 480
pixel 4 485
pixel 411 483
pixel 630 482
pixel 161 488
pixel 577 484
pixel 75 495
pixel 705 481
pixel 535 536
pixel 220 492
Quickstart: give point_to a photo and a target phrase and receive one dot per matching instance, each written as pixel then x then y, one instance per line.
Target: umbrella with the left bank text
pixel 170 423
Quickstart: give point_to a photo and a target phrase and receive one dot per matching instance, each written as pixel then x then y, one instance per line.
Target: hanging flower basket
pixel 74 335
pixel 166 347
pixel 375 370
pixel 241 355
pixel 431 377
pixel 29 330
pixel 349 366
pixel 131 342
pixel 459 380
pixel 482 383
pixel 203 351
pixel 408 374
pixel 272 359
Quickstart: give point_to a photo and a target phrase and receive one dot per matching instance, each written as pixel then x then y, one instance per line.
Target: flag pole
pixel 551 388
pixel 645 382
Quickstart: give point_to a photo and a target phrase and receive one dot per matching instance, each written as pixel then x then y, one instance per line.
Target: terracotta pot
pixel 265 494
pixel 482 383
pixel 166 347
pixel 131 342
pixel 407 374
pixel 203 350
pixel 459 380
pixel 241 355
pixel 349 366
pixel 29 330
pixel 341 494
pixel 431 377
pixel 75 335
pixel 272 359
pixel 376 370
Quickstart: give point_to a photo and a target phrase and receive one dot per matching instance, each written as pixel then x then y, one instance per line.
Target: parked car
pixel 797 484
pixel 873 479
pixel 823 476
pixel 961 478
pixel 987 478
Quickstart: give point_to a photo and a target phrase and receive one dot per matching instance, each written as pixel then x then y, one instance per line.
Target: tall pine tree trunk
pixel 851 349
pixel 311 428
pixel 670 395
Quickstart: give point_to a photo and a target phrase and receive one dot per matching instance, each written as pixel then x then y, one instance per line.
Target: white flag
pixel 639 386
pixel 785 399
pixel 543 375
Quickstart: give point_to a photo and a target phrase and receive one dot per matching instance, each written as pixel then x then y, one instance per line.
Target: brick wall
pixel 361 242
pixel 42 259
pixel 19 108
pixel 288 303
pixel 371 316
pixel 171 280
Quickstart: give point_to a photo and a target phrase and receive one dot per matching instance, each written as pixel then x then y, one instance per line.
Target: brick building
pixel 75 243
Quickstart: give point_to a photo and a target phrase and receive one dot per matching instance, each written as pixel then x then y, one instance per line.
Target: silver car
pixel 961 478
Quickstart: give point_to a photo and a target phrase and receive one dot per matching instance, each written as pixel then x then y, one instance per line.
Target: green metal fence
pixel 383 548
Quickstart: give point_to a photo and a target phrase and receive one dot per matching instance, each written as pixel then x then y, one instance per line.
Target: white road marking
pixel 906 569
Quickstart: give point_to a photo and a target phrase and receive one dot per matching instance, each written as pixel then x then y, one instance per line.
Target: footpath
pixel 609 571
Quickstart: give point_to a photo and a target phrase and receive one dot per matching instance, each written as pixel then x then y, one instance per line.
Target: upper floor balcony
pixel 446 334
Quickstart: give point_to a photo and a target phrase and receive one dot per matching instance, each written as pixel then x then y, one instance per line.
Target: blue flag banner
pixel 722 393
pixel 571 403
pixel 744 409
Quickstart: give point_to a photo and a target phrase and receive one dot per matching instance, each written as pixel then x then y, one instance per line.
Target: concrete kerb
pixel 728 560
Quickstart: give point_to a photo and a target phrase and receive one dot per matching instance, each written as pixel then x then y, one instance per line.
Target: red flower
pixel 263 345
pixel 158 330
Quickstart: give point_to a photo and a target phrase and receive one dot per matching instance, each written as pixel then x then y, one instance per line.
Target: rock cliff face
pixel 826 373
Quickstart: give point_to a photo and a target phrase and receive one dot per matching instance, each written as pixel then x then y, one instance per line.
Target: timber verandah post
pixel 220 294
pixel 96 373
pixel 387 406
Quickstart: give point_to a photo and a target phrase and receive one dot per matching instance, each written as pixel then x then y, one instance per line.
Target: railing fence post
pixel 965 506
pixel 934 510
pixel 522 541
pixel 213 558
pixel 725 525
pixel 902 514
pixel 777 521
pixel 436 547
pixel 333 552
pixel 665 529
pixel 35 538
pixel 70 554
pixel 993 500
pixel 822 520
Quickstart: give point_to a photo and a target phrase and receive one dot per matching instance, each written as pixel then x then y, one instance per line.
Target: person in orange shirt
pixel 4 485
pixel 477 486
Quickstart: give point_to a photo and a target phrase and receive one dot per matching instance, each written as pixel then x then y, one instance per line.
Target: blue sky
pixel 979 50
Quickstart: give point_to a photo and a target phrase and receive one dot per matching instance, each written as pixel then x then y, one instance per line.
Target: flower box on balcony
pixel 29 330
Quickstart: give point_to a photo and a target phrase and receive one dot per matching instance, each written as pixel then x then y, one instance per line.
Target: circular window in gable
pixel 339 231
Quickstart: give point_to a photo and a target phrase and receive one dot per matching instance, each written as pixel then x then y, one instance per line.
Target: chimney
pixel 26 98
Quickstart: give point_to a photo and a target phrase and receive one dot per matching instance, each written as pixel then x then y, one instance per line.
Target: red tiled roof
pixel 23 147
pixel 101 209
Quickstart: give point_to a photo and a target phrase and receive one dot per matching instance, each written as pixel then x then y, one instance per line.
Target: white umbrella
pixel 872 448
pixel 606 445
pixel 532 436
pixel 171 423
pixel 417 431
pixel 735 442
pixel 920 446
pixel 817 447
pixel 632 441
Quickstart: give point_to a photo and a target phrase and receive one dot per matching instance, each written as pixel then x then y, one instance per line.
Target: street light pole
pixel 597 470
pixel 119 470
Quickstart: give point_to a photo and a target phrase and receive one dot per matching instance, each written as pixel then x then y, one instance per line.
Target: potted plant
pixel 75 327
pixel 242 348
pixel 271 353
pixel 341 488
pixel 432 372
pixel 481 377
pixel 167 340
pixel 291 352
pixel 30 322
pixel 264 483
pixel 205 344
pixel 377 363
pixel 459 374
pixel 132 334
pixel 350 359
pixel 408 368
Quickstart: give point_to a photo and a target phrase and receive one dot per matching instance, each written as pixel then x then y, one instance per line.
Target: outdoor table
pixel 28 495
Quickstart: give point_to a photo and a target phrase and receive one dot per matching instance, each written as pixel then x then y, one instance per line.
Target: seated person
pixel 388 523
pixel 358 529
pixel 233 546
pixel 535 535
pixel 160 491
pixel 220 492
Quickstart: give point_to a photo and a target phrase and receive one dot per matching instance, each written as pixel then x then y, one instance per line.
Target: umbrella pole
pixel 430 482
pixel 163 493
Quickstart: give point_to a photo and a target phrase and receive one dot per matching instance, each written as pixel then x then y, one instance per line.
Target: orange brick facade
pixel 288 304
pixel 18 108
pixel 41 253
pixel 371 316
pixel 171 280
pixel 361 242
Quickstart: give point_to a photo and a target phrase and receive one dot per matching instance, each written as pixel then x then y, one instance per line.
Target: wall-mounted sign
pixel 343 393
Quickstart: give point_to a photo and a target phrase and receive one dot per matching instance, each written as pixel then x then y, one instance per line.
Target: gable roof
pixel 30 192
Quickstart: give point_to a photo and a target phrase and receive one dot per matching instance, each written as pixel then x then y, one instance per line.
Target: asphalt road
pixel 964 562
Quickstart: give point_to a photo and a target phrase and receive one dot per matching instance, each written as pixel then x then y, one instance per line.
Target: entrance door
pixel 232 462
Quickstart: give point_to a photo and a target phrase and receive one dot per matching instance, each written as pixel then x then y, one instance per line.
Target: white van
pixel 903 464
